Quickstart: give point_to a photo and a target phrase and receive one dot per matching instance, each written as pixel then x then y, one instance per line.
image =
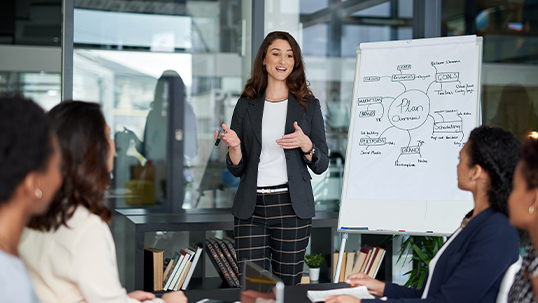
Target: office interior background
pixel 169 71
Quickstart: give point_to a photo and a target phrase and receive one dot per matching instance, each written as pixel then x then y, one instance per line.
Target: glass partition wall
pixel 167 74
pixel 136 58
pixel 509 69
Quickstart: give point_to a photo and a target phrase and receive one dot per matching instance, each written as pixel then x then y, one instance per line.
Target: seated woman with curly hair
pixel 523 210
pixel 471 264
pixel 69 251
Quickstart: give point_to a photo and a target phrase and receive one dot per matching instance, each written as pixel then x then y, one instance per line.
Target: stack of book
pixel 221 252
pixel 367 260
pixel 178 272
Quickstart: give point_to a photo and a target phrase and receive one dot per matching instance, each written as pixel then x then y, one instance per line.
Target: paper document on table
pixel 360 292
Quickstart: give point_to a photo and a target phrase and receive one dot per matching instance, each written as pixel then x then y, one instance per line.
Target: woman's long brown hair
pixel 296 81
pixel 80 127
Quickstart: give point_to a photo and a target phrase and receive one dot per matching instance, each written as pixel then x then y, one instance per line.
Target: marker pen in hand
pixel 218 138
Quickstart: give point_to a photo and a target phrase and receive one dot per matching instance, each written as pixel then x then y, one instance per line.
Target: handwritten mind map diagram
pixel 415 107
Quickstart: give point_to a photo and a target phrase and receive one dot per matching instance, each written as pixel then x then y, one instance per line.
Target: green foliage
pixel 424 249
pixel 314 261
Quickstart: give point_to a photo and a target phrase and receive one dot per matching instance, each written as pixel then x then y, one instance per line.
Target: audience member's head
pixel 523 201
pixel 88 157
pixel 29 155
pixel 496 152
pixel 30 162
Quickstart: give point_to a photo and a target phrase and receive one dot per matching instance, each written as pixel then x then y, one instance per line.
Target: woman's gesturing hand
pixel 297 139
pixel 229 137
pixel 375 287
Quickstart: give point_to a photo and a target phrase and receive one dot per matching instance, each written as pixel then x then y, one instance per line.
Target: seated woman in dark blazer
pixel 471 265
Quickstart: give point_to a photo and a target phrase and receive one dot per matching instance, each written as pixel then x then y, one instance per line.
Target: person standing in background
pixel 30 176
pixel 277 132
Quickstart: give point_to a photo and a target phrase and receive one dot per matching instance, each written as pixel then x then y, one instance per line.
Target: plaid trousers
pixel 274 237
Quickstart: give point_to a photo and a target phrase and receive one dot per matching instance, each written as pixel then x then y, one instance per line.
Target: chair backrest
pixel 508 279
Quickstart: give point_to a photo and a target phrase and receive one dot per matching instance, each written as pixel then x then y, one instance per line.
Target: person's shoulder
pixel 12 269
pixel 498 218
pixel 14 279
pixel 243 101
pixel 498 225
pixel 81 222
pixel 312 103
pixel 89 220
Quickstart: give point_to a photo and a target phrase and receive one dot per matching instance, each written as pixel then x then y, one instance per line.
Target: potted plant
pixel 314 262
pixel 424 249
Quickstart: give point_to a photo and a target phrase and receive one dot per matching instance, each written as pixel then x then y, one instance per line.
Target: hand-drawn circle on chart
pixel 409 110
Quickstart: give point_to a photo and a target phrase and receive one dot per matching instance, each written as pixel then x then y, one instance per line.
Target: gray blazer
pixel 247 123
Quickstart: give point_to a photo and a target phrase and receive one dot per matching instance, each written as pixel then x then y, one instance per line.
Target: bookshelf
pixel 130 227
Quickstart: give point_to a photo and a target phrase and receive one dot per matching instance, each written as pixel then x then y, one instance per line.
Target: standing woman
pixel 523 210
pixel 277 131
pixel 30 175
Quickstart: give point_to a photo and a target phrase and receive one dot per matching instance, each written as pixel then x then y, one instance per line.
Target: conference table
pixel 295 294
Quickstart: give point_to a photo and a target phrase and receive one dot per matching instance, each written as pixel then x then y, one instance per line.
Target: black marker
pixel 218 137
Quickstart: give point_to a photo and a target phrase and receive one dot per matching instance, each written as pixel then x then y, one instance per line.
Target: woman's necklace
pixel 465 222
pixel 276 99
pixel 8 246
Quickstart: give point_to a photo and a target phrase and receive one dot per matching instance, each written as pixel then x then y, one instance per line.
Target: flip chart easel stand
pixel 343 240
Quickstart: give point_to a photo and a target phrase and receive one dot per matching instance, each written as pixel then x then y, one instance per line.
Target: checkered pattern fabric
pixel 274 237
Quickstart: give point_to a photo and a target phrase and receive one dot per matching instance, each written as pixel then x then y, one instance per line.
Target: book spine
pixel 379 264
pixel 191 270
pixel 335 262
pixel 360 260
pixel 228 255
pixel 148 270
pixel 215 259
pixel 177 276
pixel 343 267
pixel 366 261
pixel 369 270
pixel 349 264
pixel 174 262
pixel 174 273
pixel 182 273
pixel 231 247
pixel 226 263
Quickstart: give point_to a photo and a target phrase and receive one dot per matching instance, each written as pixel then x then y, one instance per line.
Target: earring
pixel 531 210
pixel 38 193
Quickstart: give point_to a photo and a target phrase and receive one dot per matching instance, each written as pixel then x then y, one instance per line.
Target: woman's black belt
pixel 273 189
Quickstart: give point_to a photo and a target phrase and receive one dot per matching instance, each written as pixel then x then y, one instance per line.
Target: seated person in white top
pixel 69 252
pixel 30 175
pixel 471 265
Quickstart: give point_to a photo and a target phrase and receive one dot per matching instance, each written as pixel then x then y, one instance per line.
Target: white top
pixel 75 264
pixel 434 261
pixel 15 284
pixel 272 169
